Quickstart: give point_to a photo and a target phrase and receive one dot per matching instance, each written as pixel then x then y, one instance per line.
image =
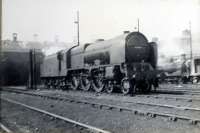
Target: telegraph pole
pixel 77 22
pixel 138 25
pixel 1 42
pixel 31 69
pixel 0 25
pixel 191 53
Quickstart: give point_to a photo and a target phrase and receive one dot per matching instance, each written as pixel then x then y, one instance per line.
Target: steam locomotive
pixel 180 69
pixel 126 63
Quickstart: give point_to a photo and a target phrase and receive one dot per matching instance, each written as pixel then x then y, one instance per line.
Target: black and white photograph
pixel 100 66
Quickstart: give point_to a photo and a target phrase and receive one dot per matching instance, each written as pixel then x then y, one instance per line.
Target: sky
pixel 164 19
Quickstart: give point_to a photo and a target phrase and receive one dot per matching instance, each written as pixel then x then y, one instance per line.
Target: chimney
pixel 56 39
pixel 154 39
pixel 35 37
pixel 126 32
pixel 99 40
pixel 14 37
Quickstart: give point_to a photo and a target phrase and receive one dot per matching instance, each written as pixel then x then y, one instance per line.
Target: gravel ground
pixel 112 120
pixel 129 102
pixel 190 88
pixel 184 86
pixel 148 108
pixel 120 99
pixel 2 131
pixel 22 120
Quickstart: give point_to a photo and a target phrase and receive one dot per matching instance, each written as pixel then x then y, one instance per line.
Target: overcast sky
pixel 165 19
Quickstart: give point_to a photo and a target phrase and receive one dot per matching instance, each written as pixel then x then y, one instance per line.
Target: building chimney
pixel 14 37
pixel 126 32
pixel 35 37
pixel 99 40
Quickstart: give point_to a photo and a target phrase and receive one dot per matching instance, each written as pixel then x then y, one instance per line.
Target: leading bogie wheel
pixel 194 80
pixel 109 87
pixel 125 86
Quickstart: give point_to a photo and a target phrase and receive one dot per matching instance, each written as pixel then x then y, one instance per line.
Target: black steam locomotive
pixel 126 63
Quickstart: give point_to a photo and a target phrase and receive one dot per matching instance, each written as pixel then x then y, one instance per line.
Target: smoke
pixel 48 47
pixel 177 46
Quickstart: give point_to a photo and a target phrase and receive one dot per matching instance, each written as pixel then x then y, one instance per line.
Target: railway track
pixel 172 97
pixel 161 95
pixel 151 113
pixel 5 129
pixel 187 98
pixel 82 126
pixel 183 88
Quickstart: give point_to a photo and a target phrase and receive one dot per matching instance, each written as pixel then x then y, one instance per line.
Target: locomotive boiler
pixel 126 63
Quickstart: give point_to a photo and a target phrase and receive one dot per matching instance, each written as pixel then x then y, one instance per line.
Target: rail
pixel 91 128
